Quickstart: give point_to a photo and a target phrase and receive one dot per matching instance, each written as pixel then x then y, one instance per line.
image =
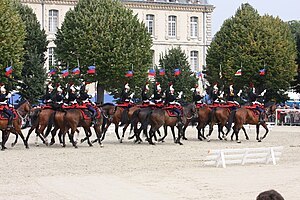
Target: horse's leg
pixel 117 131
pixel 165 135
pixel 151 132
pixel 29 132
pixel 184 129
pixel 98 134
pixel 18 131
pixel 179 127
pixel 53 133
pixel 267 130
pixel 244 130
pixel 5 135
pixel 173 133
pixel 16 140
pixel 257 133
pixel 199 132
pixel 211 125
pixel 124 129
pixel 71 137
pixel 220 130
pixel 88 134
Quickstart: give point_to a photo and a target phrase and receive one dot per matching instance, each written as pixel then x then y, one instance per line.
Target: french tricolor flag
pixel 238 72
pixel 262 72
pixel 91 70
pixel 129 74
pixel 65 73
pixel 76 71
pixel 52 72
pixel 151 72
pixel 8 70
pixel 199 75
pixel 162 72
pixel 177 72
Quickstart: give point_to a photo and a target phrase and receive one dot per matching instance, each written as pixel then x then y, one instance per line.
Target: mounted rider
pixel 197 97
pixel 4 105
pixel 59 99
pixel 171 100
pixel 48 97
pixel 230 93
pixel 73 96
pixel 158 95
pixel 145 94
pixel 253 96
pixel 85 99
pixel 126 97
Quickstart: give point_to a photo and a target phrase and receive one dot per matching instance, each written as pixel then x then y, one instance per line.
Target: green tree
pixel 33 72
pixel 295 28
pixel 176 59
pixel 12 35
pixel 105 33
pixel 253 42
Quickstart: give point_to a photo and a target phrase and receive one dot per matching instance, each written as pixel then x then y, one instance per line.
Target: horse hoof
pixel 259 141
pixel 13 144
pixel 27 147
pixel 81 141
pixel 220 138
pixel 2 149
pixel 75 146
pixel 120 141
pixel 90 145
pixel 101 145
pixel 238 141
pixel 184 138
pixel 208 140
pixel 51 143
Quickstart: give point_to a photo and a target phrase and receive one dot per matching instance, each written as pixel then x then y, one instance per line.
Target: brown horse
pixel 189 113
pixel 158 118
pixel 203 120
pixel 40 119
pixel 73 118
pixel 117 117
pixel 22 110
pixel 248 116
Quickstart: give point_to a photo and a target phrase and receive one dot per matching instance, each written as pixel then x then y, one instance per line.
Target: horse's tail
pixel 34 116
pixel 146 122
pixel 212 115
pixel 230 120
pixel 124 117
pixel 134 119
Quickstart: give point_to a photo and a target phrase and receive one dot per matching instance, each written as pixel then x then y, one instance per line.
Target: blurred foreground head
pixel 269 195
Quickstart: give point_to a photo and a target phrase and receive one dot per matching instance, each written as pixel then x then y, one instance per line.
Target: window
pixel 194 27
pixel 53 21
pixel 172 26
pixel 194 60
pixel 150 24
pixel 51 56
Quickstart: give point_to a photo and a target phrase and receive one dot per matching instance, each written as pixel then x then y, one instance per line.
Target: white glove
pixel 263 93
pixel 180 94
pixel 131 96
pixel 8 95
pixel 152 96
pixel 240 92
pixel 222 94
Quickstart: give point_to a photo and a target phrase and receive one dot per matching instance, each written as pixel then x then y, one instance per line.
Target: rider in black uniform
pixel 4 98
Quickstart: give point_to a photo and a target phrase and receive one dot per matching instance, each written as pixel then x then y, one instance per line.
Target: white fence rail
pixel 225 157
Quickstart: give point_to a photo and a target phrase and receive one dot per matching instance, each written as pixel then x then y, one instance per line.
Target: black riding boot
pixel 261 119
pixel 10 121
pixel 94 117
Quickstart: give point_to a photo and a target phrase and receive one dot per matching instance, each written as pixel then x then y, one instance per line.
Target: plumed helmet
pixel 59 89
pixel 197 89
pixel 170 83
pixel 158 86
pixel 72 88
pixel 171 88
pixel 2 89
pixel 50 87
pixel 127 86
pixel 147 86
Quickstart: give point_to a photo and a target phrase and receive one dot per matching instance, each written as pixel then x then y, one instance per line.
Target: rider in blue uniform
pixel 4 98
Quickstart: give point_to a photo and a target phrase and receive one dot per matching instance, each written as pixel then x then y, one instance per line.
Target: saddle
pixel 170 110
pixel 125 105
pixel 87 114
pixel 4 116
pixel 201 105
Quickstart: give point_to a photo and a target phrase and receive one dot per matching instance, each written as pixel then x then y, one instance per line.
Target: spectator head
pixel 269 195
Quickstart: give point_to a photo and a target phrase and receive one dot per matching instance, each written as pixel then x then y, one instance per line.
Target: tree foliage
pixel 108 35
pixel 253 42
pixel 33 72
pixel 176 59
pixel 295 28
pixel 12 35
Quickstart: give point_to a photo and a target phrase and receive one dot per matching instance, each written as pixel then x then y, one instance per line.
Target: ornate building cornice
pixel 137 5
pixel 168 6
pixel 55 2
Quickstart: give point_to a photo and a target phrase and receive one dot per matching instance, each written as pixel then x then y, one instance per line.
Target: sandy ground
pixel 140 171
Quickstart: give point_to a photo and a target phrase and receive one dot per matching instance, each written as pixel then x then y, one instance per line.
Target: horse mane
pixel 20 103
pixel 107 104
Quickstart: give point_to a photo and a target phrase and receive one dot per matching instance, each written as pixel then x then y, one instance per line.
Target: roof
pixel 199 2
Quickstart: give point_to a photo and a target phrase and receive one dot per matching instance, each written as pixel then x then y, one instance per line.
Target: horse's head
pixel 190 110
pixel 24 108
pixel 109 109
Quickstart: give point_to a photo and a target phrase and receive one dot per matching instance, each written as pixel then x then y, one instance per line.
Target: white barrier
pixel 225 157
